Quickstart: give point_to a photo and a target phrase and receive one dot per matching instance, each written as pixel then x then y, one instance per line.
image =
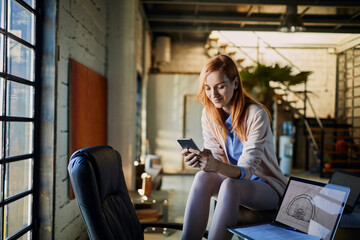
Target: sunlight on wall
pixel 314 52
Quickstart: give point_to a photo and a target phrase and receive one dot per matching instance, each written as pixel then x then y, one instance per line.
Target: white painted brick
pixel 82 36
pixel 62 192
pixel 70 223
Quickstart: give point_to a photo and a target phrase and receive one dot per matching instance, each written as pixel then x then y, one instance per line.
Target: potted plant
pixel 256 80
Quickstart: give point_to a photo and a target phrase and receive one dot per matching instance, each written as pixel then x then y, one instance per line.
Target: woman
pixel 238 163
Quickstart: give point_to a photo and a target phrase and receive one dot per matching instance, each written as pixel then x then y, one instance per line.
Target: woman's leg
pixel 256 195
pixel 205 185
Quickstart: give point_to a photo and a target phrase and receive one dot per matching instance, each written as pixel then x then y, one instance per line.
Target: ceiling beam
pixel 238 18
pixel 328 3
pixel 206 27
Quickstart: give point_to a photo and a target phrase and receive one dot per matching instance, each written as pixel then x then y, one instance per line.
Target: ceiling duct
pixel 162 49
pixel 291 21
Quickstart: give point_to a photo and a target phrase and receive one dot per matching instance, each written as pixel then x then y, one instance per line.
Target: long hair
pixel 240 101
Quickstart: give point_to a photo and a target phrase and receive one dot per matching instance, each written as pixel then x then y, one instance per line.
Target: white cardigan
pixel 258 155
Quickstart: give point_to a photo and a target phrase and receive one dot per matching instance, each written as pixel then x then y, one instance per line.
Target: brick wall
pixel 185 58
pixel 190 58
pixel 81 36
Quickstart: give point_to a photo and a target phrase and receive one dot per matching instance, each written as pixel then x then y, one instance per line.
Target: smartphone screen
pixel 187 143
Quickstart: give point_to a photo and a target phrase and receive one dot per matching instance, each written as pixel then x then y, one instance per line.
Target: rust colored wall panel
pixel 88 107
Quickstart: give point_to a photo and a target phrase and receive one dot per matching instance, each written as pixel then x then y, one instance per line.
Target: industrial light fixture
pixel 291 21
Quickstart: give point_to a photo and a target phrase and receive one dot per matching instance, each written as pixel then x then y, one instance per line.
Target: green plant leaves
pixel 261 76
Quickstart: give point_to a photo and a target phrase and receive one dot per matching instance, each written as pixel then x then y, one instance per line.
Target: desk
pixel 157 200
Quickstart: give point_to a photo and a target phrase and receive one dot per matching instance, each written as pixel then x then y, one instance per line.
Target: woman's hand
pixel 202 159
pixel 206 162
pixel 190 158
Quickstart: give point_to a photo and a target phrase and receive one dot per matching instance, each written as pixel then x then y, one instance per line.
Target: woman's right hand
pixel 191 159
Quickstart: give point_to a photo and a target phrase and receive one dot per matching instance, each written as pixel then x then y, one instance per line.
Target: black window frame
pixel 33 227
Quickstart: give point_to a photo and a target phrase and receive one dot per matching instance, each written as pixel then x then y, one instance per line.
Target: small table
pixel 156 200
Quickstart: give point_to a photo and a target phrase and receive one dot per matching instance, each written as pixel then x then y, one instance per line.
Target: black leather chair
pixel 102 196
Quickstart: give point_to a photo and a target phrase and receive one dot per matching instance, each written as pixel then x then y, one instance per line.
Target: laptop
pixel 349 219
pixel 351 180
pixel 308 210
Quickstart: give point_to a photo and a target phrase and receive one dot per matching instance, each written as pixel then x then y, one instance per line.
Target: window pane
pixel 1 141
pixel 17 215
pixel 21 60
pixel 2 91
pixel 18 177
pixel 19 137
pixel 1 222
pixel 25 237
pixel 2 52
pixel 30 2
pixel 2 13
pixel 1 180
pixel 21 22
pixel 20 100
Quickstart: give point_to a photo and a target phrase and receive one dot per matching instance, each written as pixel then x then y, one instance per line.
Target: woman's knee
pixel 229 185
pixel 203 177
pixel 207 181
pixel 229 190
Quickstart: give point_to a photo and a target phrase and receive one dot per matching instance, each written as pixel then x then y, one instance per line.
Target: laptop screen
pixel 350 180
pixel 312 207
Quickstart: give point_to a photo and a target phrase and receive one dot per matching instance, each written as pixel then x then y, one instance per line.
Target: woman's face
pixel 220 90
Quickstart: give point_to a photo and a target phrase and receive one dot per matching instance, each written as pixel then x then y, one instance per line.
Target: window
pixel 348 90
pixel 19 84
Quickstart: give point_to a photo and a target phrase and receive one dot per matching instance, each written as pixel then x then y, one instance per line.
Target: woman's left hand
pixel 206 160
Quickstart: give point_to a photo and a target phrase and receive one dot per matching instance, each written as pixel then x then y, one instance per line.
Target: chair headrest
pixel 107 165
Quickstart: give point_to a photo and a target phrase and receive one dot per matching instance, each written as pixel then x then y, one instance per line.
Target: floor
pixel 178 187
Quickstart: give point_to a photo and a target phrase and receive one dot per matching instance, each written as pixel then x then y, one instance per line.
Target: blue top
pixel 234 149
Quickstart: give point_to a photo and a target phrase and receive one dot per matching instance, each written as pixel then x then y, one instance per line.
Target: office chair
pixel 102 196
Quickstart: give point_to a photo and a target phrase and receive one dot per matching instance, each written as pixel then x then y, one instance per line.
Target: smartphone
pixel 187 143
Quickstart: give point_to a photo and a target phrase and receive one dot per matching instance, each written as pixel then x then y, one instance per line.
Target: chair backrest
pixel 99 185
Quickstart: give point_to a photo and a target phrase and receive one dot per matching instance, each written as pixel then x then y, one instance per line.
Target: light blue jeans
pixel 231 194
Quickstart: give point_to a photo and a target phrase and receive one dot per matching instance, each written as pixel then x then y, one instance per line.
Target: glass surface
pixel 19 137
pixel 20 60
pixel 1 180
pixel 2 13
pixel 1 221
pixel 1 141
pixel 30 2
pixel 17 215
pixel 18 177
pixel 2 52
pixel 27 236
pixel 2 91
pixel 21 22
pixel 20 100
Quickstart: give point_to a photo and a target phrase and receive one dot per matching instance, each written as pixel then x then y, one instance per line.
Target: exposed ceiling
pixel 191 20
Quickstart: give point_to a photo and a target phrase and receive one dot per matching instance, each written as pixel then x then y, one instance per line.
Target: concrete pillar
pixel 121 74
pixel 47 119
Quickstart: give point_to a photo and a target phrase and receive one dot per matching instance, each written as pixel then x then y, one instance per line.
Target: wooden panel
pixel 88 107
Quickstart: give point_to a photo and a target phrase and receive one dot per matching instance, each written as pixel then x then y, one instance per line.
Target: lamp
pixel 291 22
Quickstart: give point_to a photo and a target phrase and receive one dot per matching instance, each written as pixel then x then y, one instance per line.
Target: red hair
pixel 240 101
